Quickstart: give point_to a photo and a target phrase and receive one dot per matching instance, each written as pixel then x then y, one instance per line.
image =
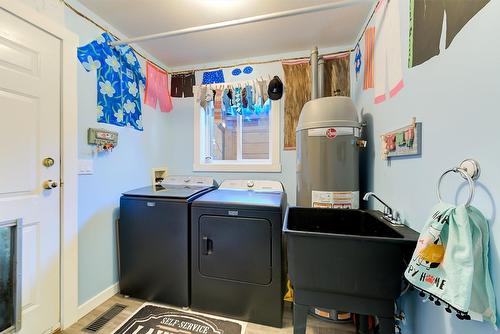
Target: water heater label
pixel 335 199
pixel 331 132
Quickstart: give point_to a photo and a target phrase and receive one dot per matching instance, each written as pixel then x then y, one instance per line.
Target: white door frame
pixel 69 155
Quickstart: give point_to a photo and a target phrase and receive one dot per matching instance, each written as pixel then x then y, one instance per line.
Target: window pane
pixel 231 136
pixel 255 133
pixel 6 277
pixel 222 134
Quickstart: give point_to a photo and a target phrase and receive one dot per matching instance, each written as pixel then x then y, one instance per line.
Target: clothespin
pixel 384 149
pixel 413 122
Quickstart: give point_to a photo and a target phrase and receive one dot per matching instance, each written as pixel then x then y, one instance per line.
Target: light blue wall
pixel 127 167
pixel 455 96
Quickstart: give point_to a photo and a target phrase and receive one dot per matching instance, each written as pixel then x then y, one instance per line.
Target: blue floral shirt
pixel 119 78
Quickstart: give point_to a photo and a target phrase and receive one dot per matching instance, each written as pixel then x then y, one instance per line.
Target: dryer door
pixel 235 248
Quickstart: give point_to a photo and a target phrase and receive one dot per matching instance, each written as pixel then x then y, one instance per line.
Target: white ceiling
pixel 331 28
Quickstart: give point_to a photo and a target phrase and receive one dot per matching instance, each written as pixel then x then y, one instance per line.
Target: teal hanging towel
pixel 450 263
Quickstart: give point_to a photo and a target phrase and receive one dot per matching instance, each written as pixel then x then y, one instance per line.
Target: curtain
pixel 298 88
pixel 297 93
pixel 337 75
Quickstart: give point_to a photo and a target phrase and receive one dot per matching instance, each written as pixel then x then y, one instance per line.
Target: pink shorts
pixel 157 88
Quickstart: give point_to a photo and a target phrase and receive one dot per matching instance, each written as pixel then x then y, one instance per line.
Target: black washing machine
pixel 154 239
pixel 236 258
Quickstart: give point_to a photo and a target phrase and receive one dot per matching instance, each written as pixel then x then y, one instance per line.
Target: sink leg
pixel 299 318
pixel 386 325
pixel 363 324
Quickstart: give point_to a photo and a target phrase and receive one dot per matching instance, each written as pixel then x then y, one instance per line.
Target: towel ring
pixel 465 174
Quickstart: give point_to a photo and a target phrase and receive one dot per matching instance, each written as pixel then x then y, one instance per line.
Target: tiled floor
pixel 314 326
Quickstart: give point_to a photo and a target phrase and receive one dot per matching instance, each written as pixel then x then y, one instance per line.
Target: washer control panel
pixel 189 180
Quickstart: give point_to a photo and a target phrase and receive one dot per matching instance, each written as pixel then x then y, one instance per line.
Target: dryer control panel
pixel 256 185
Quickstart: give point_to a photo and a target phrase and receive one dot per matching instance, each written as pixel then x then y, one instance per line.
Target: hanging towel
pixel 426 25
pixel 357 60
pixel 157 88
pixel 250 98
pixel 369 46
pixel 218 105
pixel 450 262
pixel 212 77
pixel 237 100
pixel 182 85
pixel 388 71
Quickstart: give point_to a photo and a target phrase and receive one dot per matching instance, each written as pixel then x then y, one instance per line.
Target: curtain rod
pixel 247 20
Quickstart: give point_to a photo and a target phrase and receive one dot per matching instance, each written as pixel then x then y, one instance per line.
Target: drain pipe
pixel 321 77
pixel 314 73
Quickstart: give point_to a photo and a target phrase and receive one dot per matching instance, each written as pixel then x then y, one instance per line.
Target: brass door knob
pixel 48 162
pixel 49 184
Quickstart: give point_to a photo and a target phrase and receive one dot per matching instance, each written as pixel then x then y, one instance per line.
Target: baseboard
pixel 100 298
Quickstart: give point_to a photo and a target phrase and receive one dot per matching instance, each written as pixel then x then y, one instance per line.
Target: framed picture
pixel 405 141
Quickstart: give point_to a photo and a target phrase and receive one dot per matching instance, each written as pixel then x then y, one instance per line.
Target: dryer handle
pixel 208 246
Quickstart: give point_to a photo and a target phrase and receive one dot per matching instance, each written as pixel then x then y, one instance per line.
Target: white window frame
pixel 254 165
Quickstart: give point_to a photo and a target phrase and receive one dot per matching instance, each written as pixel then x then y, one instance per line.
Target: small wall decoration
pixel 104 140
pixel 405 141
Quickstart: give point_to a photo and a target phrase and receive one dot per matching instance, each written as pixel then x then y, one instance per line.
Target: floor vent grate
pixel 100 322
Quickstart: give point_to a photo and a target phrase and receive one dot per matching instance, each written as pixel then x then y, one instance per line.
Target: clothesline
pixel 233 84
pixel 366 26
pixel 304 59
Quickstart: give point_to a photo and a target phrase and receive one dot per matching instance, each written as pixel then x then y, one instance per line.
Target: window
pixel 226 140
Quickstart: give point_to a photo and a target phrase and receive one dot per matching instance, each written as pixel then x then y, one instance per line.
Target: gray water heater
pixel 327 135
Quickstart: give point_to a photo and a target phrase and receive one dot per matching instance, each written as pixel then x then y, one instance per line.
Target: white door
pixel 30 132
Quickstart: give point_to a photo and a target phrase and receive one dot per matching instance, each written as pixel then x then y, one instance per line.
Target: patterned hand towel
pixel 450 262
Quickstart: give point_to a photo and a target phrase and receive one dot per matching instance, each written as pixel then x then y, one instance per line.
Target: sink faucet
pixel 389 214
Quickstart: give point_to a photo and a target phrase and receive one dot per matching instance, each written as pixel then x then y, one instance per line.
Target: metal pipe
pixel 314 73
pixel 246 20
pixel 321 77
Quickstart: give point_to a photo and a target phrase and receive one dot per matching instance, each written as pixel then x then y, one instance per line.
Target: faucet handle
pixel 396 215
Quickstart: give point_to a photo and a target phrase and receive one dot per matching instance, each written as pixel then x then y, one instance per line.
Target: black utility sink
pixel 345 222
pixel 349 260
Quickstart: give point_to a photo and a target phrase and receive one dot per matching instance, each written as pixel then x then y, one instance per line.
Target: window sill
pixel 239 168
